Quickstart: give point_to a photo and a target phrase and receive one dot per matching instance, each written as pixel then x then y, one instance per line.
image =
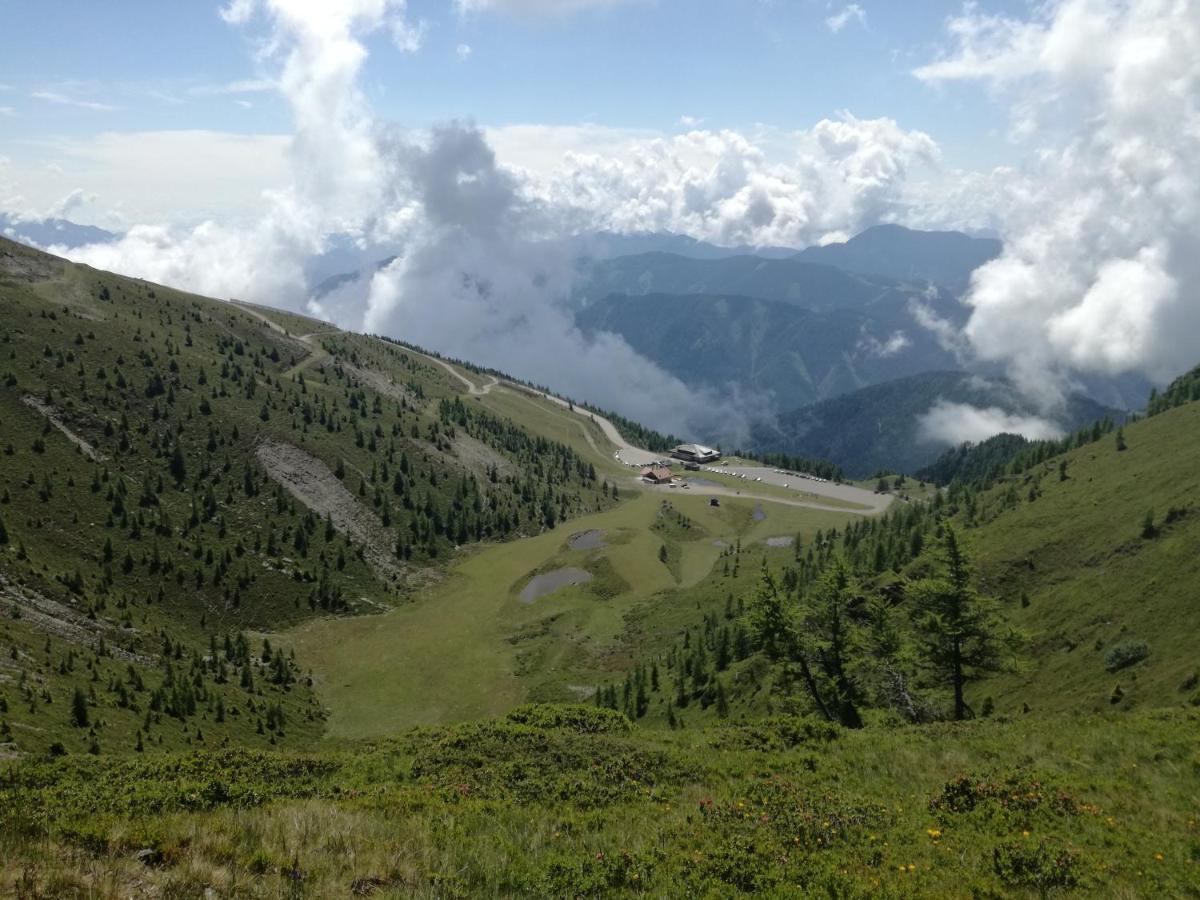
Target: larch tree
pixel 776 622
pixel 959 634
pixel 834 640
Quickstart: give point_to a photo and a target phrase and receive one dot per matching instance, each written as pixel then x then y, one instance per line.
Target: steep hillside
pixel 1094 554
pixel 177 471
pixel 761 346
pixel 879 427
pixel 943 257
pixel 1087 555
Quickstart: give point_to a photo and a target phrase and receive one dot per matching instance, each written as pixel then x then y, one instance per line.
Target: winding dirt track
pixel 625 452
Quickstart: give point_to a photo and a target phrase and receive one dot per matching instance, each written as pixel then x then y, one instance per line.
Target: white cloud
pixel 240 86
pixel 409 37
pixel 67 205
pixel 463 51
pixel 7 111
pixel 472 284
pixel 948 337
pixel 1103 243
pixel 62 99
pixel 471 278
pixel 896 342
pixel 1060 39
pixel 178 177
pixel 789 189
pixel 690 121
pixel 335 167
pixel 954 423
pixel 763 188
pixel 850 13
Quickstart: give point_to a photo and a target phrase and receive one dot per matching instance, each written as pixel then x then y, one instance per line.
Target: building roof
pixel 657 473
pixel 696 450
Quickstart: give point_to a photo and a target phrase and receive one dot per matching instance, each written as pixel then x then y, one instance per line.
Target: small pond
pixel 549 582
pixel 587 540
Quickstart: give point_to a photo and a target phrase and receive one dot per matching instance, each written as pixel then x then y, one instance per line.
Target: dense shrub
pixel 1035 865
pixel 505 760
pixel 573 717
pixel 1125 654
pixel 776 733
pixel 1012 793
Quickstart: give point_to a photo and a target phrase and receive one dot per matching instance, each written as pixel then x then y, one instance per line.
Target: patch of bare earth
pixel 26 264
pixel 59 619
pixel 52 416
pixel 380 383
pixel 478 456
pixel 313 483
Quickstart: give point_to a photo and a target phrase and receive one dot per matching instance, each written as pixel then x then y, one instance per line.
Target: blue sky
pixel 728 63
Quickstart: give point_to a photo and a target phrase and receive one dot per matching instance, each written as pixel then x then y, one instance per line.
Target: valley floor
pixel 469 646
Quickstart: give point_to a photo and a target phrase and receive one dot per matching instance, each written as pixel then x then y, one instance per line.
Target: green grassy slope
pixel 1091 579
pixel 569 802
pixel 1106 607
pixel 175 471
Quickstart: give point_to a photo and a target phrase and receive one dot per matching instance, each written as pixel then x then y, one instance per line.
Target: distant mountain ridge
pixel 809 285
pixel 607 245
pixel 796 354
pixel 942 257
pixel 52 232
pixel 880 427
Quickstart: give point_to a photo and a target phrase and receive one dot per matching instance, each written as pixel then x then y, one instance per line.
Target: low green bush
pixel 1125 654
pixel 574 717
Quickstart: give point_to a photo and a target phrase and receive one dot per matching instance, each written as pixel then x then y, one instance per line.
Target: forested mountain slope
pixel 176 471
pixel 879 427
pixel 797 355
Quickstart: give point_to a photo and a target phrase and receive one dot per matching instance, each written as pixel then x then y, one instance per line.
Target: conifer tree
pixel 79 709
pixel 834 639
pixel 960 636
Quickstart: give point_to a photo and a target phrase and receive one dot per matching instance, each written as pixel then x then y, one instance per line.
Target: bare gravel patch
pixel 63 621
pixel 52 416
pixel 312 482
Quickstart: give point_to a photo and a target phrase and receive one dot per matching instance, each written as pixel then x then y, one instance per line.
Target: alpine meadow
pixel 607 448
